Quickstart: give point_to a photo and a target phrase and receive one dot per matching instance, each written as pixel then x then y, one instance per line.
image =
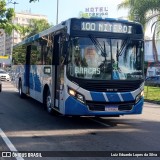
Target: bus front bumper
pixel 74 107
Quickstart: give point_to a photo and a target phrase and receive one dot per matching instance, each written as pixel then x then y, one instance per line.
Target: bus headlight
pixel 71 92
pixel 76 95
pixel 139 96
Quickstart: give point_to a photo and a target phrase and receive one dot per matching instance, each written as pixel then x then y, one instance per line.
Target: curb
pixel 151 101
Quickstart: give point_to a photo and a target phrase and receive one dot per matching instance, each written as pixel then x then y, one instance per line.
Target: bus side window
pixel 19 55
pixel 34 54
pixel 41 52
pixel 48 55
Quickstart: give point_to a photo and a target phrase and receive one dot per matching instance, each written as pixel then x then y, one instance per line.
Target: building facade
pixel 8 41
pixel 2 42
pixel 149 56
pixel 153 67
pixel 24 19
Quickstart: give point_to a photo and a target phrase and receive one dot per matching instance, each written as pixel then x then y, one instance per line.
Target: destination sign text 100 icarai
pixel 107 27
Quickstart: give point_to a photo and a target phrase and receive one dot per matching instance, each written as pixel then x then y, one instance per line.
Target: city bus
pixel 84 67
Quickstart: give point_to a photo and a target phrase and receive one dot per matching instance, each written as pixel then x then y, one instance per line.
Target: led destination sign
pixel 107 27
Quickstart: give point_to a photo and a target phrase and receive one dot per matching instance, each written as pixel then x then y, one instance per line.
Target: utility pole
pixel 14 3
pixel 57 11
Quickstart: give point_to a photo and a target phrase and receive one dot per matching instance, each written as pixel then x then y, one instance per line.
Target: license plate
pixel 111 108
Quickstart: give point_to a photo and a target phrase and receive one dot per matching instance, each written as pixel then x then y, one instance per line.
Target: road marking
pixel 104 124
pixel 9 144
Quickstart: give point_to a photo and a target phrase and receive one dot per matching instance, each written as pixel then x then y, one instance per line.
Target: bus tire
pixel 47 102
pixel 21 94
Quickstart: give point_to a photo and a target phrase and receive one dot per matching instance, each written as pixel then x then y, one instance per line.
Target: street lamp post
pixel 14 3
pixel 57 11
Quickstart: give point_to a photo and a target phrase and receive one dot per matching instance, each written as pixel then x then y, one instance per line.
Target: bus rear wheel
pixel 47 102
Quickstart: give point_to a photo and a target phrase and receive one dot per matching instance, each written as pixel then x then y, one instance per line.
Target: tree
pixel 142 9
pixel 35 27
pixel 6 16
pixel 147 12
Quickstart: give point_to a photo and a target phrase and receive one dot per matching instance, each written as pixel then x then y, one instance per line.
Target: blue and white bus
pixel 84 67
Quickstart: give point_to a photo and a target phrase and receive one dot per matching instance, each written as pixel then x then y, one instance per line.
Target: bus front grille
pixel 100 106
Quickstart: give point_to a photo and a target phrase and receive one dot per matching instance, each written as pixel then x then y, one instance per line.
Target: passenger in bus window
pixel 90 56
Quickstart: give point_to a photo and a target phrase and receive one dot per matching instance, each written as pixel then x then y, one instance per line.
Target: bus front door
pixel 59 75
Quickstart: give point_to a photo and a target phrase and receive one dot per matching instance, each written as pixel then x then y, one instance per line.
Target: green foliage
pixel 35 27
pixel 152 94
pixel 84 15
pixel 19 55
pixel 6 16
pixel 145 11
pixel 141 8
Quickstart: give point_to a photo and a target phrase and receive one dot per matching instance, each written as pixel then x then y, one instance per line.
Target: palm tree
pixel 142 8
pixel 148 11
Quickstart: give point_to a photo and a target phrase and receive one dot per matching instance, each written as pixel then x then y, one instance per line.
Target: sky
pixel 67 8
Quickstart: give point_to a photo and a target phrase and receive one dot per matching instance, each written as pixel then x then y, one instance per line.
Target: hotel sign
pixel 96 12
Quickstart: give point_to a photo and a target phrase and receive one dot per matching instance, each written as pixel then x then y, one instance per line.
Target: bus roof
pixel 41 34
pixel 65 23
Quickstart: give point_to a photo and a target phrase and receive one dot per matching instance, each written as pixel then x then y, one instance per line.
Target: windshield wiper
pixel 98 45
pixel 124 44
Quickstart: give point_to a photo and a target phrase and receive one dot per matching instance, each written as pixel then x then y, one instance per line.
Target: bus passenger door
pixel 59 73
pixel 27 71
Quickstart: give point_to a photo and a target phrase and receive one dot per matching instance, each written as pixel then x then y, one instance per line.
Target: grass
pixel 152 94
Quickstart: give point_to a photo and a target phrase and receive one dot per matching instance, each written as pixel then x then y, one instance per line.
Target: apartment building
pixel 24 18
pixel 2 42
pixel 8 41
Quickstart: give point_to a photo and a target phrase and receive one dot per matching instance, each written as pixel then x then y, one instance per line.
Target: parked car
pixel 4 76
pixel 153 81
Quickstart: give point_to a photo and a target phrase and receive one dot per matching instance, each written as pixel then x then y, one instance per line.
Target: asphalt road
pixel 26 126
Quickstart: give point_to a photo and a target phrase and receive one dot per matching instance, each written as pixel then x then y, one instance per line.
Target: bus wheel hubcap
pixel 49 103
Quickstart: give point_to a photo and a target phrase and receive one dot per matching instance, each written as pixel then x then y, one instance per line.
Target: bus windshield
pixel 105 59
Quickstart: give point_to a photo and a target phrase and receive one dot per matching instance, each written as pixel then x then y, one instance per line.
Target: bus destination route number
pixel 106 27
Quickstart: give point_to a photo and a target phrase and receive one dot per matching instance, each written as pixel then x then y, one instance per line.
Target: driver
pixel 90 56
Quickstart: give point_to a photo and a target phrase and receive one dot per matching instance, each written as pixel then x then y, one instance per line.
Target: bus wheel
pixel 21 94
pixel 48 102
